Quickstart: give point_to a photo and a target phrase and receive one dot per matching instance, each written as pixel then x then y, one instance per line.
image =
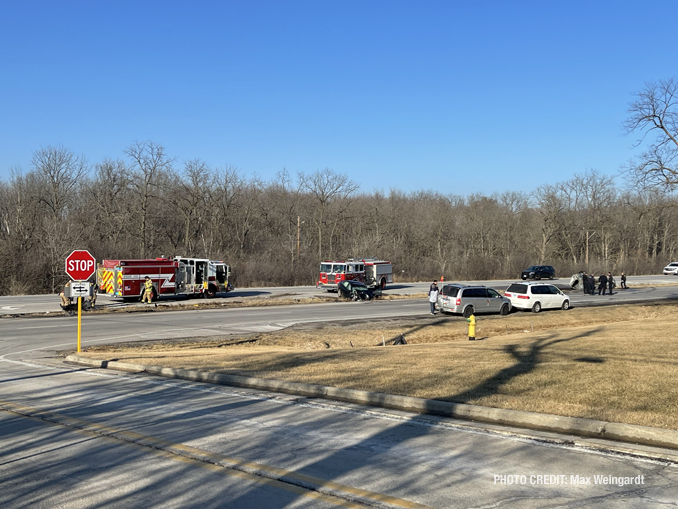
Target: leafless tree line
pixel 276 232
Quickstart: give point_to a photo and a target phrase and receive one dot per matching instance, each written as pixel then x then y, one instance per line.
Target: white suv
pixel 671 268
pixel 536 296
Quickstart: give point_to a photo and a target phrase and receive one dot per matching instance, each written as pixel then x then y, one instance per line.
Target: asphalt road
pixel 75 437
pixel 47 304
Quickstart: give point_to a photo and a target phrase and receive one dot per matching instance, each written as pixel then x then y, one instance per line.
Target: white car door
pixel 542 294
pixel 557 297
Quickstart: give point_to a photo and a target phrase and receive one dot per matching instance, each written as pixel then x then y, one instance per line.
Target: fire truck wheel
pixel 211 292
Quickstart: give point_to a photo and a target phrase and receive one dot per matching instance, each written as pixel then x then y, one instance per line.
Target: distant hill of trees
pixel 276 232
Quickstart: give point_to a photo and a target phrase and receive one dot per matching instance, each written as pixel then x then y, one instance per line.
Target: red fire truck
pixel 170 276
pixel 371 271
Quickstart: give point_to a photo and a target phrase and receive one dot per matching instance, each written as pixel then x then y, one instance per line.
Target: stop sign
pixel 80 265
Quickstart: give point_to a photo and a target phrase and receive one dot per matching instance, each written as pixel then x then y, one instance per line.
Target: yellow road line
pixel 301 484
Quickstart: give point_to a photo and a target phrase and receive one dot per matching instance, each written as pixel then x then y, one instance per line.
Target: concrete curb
pixel 570 425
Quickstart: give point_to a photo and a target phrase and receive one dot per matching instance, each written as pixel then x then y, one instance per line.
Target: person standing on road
pixel 602 284
pixel 148 291
pixel 93 298
pixel 585 282
pixel 610 282
pixel 433 297
pixel 623 281
pixel 592 284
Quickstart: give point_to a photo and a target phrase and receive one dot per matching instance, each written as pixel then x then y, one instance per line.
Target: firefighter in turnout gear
pixel 65 295
pixel 148 291
pixel 471 327
pixel 93 297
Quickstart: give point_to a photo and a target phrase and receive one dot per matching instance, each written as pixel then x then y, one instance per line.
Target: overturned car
pixel 577 280
pixel 356 290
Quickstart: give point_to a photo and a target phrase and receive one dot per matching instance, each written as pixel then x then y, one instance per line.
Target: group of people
pixel 65 295
pixel 605 282
pixel 66 300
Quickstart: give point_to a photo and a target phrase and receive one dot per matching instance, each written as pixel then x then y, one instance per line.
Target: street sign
pixel 80 265
pixel 80 289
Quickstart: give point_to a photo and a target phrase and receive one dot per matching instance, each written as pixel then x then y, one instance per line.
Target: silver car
pixel 468 300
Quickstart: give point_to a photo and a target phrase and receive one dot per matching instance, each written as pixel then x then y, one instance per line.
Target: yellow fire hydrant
pixel 471 327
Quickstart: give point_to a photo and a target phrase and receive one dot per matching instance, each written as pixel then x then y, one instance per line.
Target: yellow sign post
pixel 79 320
pixel 80 266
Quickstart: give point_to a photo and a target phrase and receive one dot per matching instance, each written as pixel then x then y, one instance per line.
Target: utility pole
pixel 298 234
pixel 587 245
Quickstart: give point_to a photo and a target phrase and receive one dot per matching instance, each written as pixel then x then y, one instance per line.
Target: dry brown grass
pixel 618 364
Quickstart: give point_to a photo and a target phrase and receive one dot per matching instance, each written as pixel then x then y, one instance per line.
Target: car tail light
pixel 506 294
pixel 523 296
pixel 458 301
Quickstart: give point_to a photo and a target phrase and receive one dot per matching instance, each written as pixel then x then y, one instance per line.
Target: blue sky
pixel 458 97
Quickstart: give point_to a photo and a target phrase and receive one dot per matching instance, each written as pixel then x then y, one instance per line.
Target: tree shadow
pixel 525 362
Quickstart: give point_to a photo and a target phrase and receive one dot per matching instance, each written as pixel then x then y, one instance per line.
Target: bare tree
pixel 111 207
pixel 150 164
pixel 326 186
pixel 59 171
pixel 655 113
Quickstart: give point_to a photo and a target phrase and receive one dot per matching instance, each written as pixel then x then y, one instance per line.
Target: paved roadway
pixel 47 304
pixel 73 437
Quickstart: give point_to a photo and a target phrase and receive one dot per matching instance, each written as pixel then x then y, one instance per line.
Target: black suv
pixel 539 272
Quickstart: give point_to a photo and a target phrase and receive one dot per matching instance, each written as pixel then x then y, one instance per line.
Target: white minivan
pixel 536 296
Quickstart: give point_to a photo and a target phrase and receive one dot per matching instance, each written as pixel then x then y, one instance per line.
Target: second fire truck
pixel 371 271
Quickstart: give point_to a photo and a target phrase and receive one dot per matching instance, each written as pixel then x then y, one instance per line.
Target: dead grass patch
pixel 617 364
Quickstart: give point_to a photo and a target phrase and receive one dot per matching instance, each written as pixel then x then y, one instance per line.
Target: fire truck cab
pixel 192 274
pixel 371 271
pixel 208 277
pixel 218 274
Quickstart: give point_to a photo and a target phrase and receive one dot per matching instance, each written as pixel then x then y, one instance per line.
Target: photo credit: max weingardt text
pixel 561 479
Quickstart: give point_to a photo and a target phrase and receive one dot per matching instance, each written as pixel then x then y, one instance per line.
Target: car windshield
pixel 534 267
pixel 517 288
pixel 673 264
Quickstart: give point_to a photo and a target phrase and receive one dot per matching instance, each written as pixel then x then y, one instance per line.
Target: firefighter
pixel 93 298
pixel 148 290
pixel 65 301
pixel 471 327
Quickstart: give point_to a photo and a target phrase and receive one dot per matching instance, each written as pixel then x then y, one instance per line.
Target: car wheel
pixel 551 276
pixel 468 311
pixel 536 308
pixel 566 305
pixel 504 310
pixel 524 278
pixel 537 277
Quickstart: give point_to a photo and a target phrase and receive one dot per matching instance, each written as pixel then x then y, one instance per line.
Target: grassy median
pixel 613 363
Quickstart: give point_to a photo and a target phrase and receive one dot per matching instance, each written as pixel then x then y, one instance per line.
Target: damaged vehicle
pixel 356 290
pixel 577 280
